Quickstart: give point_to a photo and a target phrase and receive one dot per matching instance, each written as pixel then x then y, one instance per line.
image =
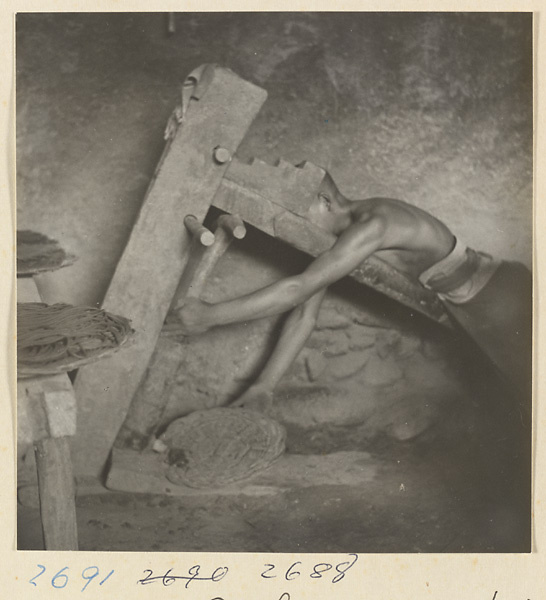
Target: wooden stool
pixel 46 416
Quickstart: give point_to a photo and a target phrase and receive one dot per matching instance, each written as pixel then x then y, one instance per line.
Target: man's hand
pixel 192 316
pixel 258 398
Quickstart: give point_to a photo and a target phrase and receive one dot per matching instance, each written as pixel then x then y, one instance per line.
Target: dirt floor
pixel 425 497
pixel 462 486
pixel 435 109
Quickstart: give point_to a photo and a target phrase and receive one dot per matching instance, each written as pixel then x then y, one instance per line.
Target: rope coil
pixel 60 337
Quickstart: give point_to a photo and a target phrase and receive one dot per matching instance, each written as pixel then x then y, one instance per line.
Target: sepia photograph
pixel 274 282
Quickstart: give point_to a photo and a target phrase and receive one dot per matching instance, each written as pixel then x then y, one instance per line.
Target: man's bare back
pixel 412 241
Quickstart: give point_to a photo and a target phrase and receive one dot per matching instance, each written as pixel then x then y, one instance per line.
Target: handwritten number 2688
pixel 318 570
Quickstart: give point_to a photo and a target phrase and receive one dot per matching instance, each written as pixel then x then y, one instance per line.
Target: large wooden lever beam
pixel 217 109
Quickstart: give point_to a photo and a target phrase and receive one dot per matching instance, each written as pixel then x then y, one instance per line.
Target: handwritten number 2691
pixel 60 579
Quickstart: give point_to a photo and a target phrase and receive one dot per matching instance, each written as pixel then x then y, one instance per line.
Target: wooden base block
pixel 145 472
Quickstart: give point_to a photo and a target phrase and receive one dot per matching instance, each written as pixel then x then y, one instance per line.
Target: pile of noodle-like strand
pixel 57 334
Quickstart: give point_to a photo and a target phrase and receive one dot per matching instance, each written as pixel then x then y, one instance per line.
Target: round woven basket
pixel 220 446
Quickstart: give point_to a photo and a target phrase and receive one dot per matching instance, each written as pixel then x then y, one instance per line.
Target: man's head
pixel 306 190
pixel 329 210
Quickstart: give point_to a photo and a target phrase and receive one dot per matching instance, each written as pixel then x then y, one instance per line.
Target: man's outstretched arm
pixel 354 245
pixel 296 330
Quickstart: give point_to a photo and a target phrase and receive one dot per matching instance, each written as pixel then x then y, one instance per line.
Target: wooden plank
pixel 145 473
pixel 251 195
pixel 57 494
pixel 153 261
pixel 150 399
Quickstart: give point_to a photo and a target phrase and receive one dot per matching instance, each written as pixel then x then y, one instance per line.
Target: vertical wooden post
pixel 48 406
pixel 57 493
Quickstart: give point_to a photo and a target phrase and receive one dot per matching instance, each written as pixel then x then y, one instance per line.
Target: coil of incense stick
pixel 219 446
pixel 37 253
pixel 60 337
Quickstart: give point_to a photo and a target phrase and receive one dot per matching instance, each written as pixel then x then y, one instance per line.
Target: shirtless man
pixel 412 241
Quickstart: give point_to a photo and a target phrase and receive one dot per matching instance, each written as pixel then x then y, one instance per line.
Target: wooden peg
pixel 233 224
pixel 198 231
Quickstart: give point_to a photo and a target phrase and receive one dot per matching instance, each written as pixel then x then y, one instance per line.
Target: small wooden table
pixel 46 416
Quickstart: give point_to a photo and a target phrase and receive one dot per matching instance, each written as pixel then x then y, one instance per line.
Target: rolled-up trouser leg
pixel 500 318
